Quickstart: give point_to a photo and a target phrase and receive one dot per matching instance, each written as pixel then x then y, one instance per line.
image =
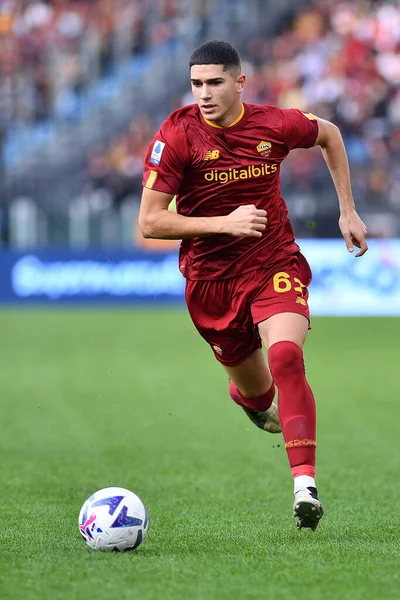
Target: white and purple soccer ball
pixel 113 519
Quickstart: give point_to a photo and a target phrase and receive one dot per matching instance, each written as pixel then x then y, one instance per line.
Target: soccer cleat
pixel 267 420
pixel 307 509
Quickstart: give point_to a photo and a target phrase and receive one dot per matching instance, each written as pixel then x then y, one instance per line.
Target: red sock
pixel 257 403
pixel 296 406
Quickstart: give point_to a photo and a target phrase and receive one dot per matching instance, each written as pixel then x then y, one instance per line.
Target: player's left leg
pixel 283 335
pixel 220 311
pixel 252 388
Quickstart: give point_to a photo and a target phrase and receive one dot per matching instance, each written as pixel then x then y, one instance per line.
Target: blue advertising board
pixel 348 286
pixel 92 276
pixel 342 284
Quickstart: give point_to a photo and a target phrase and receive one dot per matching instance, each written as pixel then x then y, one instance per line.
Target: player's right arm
pixel 165 164
pixel 156 221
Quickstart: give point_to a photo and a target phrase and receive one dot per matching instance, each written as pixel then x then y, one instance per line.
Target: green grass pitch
pixel 134 398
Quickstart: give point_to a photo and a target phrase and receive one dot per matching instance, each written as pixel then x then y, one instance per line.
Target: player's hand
pixel 246 221
pixel 354 232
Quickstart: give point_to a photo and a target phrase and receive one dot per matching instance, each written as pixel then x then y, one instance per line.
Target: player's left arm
pixel 333 150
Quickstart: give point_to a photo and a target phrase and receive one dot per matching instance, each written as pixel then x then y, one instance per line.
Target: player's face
pixel 217 92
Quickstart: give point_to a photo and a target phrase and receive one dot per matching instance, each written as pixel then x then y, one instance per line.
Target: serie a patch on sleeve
pixel 310 116
pixel 156 153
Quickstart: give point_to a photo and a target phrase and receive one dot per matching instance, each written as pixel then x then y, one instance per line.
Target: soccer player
pixel 246 278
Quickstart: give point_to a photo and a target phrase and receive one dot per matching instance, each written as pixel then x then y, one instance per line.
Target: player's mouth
pixel 208 108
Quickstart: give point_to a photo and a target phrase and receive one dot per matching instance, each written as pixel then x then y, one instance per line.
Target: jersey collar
pixel 241 119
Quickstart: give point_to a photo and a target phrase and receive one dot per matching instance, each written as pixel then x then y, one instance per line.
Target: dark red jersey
pixel 213 170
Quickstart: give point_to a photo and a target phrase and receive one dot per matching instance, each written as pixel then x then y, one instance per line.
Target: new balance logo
pixel 211 155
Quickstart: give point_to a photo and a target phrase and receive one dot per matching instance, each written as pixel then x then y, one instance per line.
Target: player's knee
pixel 285 358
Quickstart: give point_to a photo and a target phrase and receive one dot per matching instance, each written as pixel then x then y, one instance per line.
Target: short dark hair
pixel 216 52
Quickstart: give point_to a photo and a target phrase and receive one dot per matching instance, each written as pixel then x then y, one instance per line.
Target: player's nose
pixel 205 92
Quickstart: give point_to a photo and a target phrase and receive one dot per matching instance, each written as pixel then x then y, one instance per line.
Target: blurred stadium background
pixel 132 397
pixel 85 84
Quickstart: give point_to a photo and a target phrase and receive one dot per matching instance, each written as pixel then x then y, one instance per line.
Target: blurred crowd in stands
pixel 50 51
pixel 340 60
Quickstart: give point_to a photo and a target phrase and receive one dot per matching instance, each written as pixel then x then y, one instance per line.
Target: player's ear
pixel 240 81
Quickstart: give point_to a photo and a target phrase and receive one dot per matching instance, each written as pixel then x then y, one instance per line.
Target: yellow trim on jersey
pixel 172 205
pixel 212 124
pixel 151 179
pixel 231 125
pixel 239 117
pixel 310 116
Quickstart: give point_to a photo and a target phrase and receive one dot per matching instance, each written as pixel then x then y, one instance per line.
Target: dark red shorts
pixel 226 311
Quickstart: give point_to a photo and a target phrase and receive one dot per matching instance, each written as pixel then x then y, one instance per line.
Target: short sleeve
pixel 166 159
pixel 299 129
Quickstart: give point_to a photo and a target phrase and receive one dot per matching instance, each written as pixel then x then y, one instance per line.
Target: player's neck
pixel 228 120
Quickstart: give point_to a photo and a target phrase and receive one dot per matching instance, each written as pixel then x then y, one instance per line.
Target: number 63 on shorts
pixel 285 291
